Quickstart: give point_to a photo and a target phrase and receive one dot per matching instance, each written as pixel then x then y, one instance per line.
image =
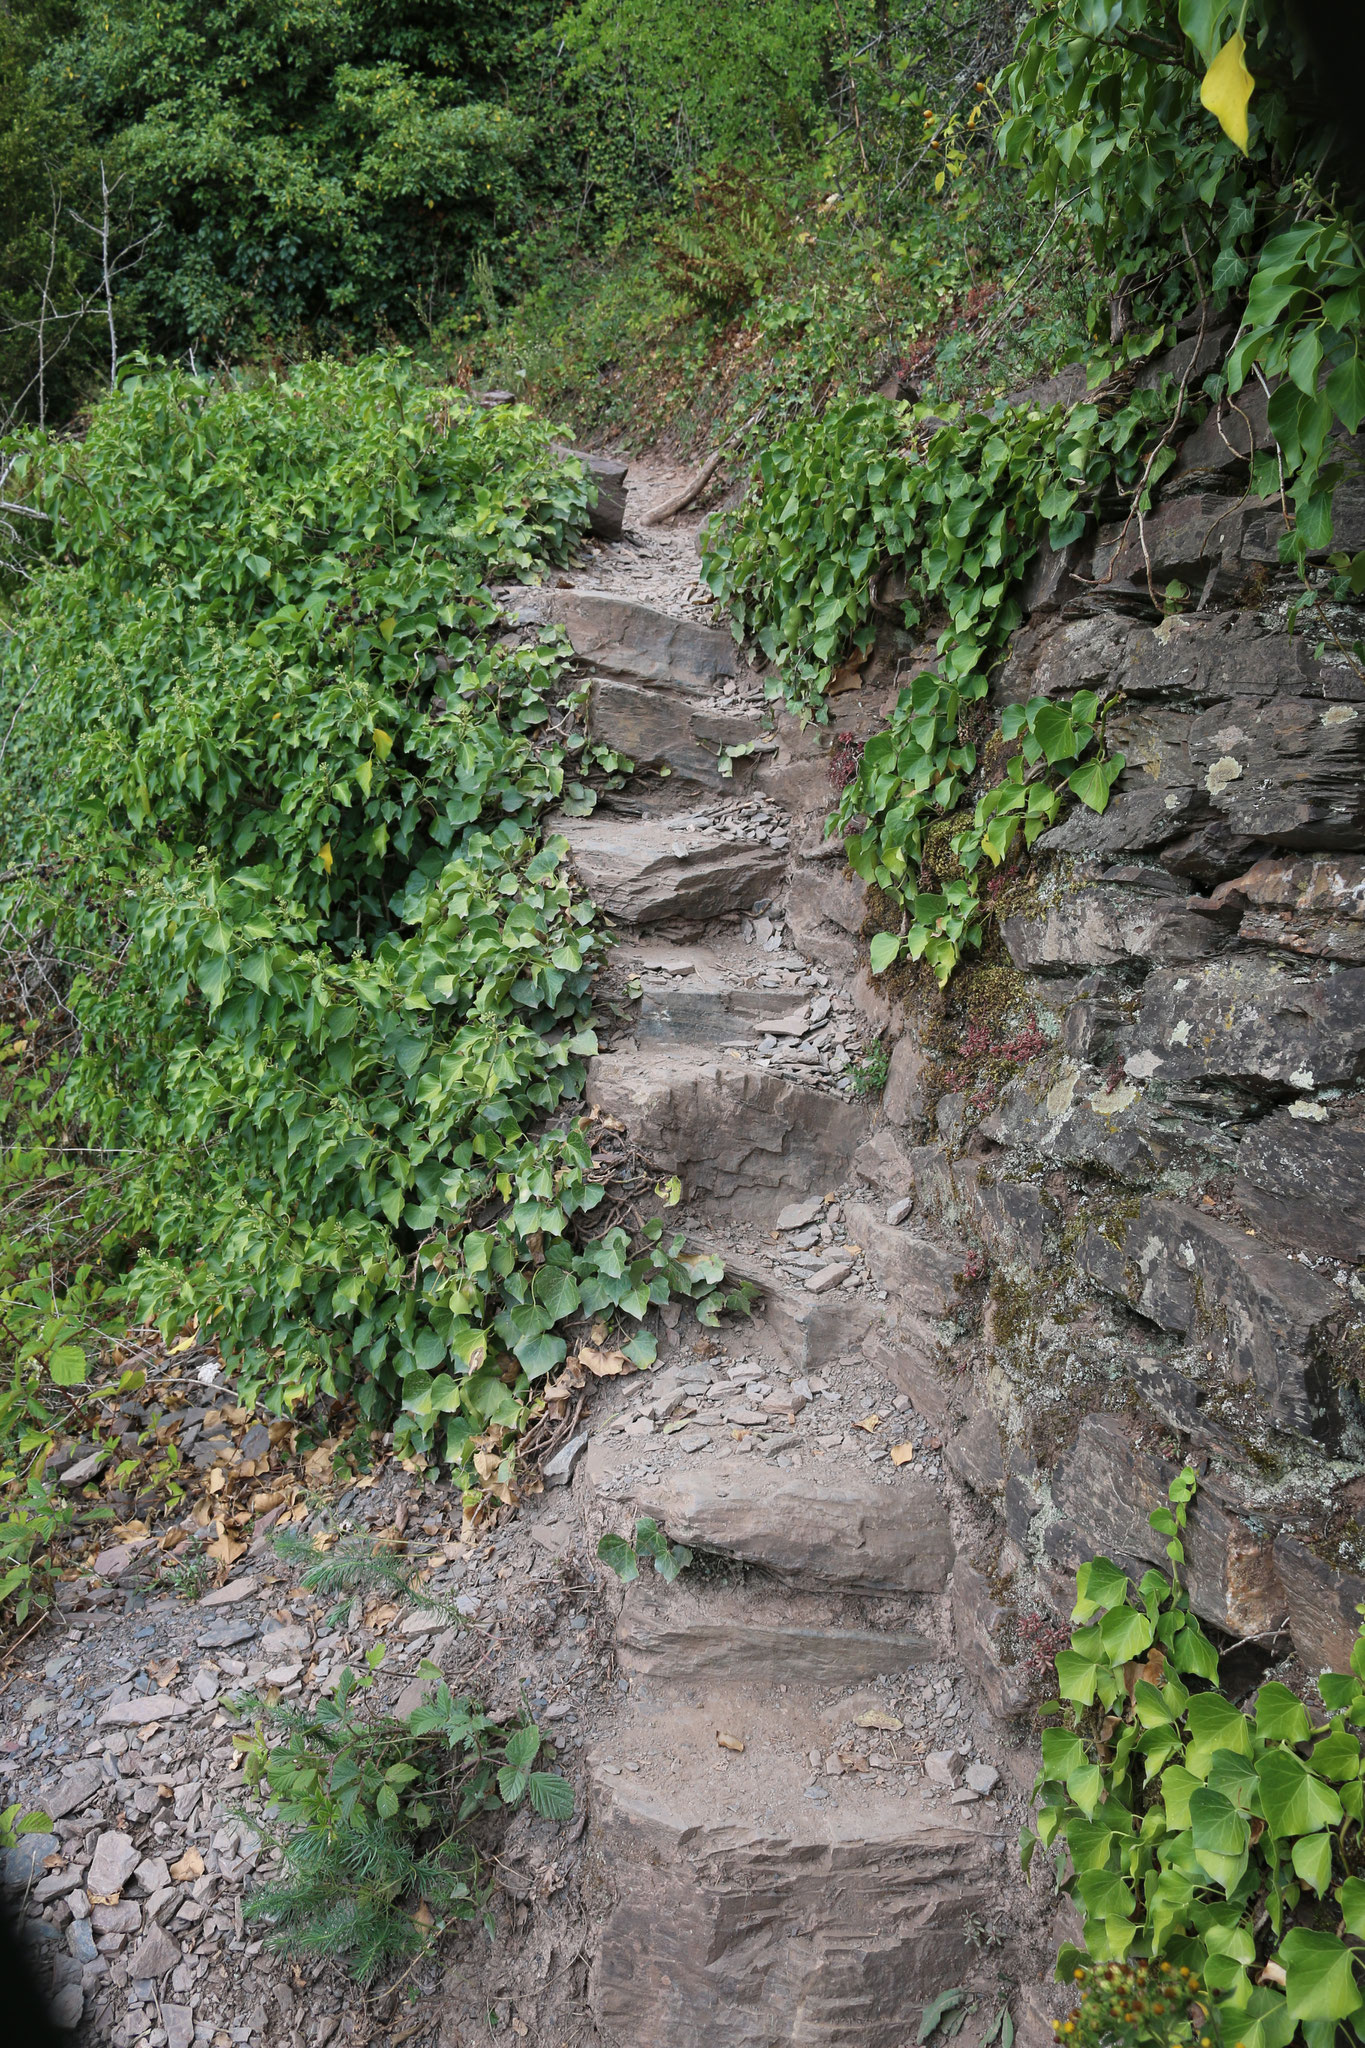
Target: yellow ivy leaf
pixel 1227 89
pixel 383 742
pixel 325 856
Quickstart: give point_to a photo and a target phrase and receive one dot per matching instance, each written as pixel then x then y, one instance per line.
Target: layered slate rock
pixel 729 1634
pixel 730 1131
pixel 1254 1023
pixel 1265 1320
pixel 826 1924
pixel 1302 1183
pixel 644 870
pixel 655 684
pixel 840 1528
pixel 1104 1490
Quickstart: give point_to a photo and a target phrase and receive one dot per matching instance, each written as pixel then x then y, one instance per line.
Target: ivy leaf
pixel 620 1557
pixel 1351 1895
pixel 1345 392
pixel 885 948
pixel 1126 1634
pixel 1093 781
pixel 1098 1584
pixel 1321 1982
pixel 1226 91
pixel 1280 1714
pixel 1295 1802
pixel 1312 1860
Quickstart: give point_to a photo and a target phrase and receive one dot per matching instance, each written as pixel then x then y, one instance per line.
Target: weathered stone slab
pixel 1184 539
pixel 903 1098
pixel 918 1274
pixel 1196 659
pixel 909 1360
pixel 834 1528
pixel 620 638
pixel 830 1923
pixel 1106 1488
pixel 1142 817
pixel 1267 1320
pixel 1303 1183
pixel 1103 927
pixel 668 728
pixel 981 1628
pixel 1080 1120
pixel 825 909
pixel 1323 1603
pixel 976 1455
pixel 1291 771
pixel 1313 907
pixel 731 1131
pixel 1254 1023
pixel 1015 1218
pixel 680 1633
pixel 643 870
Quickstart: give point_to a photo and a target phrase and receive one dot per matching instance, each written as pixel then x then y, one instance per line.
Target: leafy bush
pixel 1220 1842
pixel 281 803
pixel 377 1820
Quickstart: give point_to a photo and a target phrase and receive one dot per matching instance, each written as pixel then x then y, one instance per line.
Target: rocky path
pixel 796 1816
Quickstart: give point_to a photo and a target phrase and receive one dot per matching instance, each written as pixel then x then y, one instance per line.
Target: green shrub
pixel 378 1822
pixel 280 808
pixel 1223 1843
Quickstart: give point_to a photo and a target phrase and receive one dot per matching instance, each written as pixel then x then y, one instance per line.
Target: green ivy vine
pixel 1225 1844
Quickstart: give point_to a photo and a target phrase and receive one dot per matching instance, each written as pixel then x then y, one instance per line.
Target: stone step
pixel 732 1133
pixel 735 1632
pixel 643 870
pixel 615 636
pixel 658 726
pixel 875 1530
pixel 760 1902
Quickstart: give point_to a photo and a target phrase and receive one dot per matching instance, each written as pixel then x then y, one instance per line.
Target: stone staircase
pixel 803 1812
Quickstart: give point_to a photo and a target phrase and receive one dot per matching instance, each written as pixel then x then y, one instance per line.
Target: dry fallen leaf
pixel 869 1423
pixel 215 1482
pixel 901 1454
pixel 262 1503
pixel 191 1865
pixel 225 1551
pixel 604 1364
pixel 317 1466
pixel 877 1717
pixel 163 1669
pixel 730 1742
pixel 424 1916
